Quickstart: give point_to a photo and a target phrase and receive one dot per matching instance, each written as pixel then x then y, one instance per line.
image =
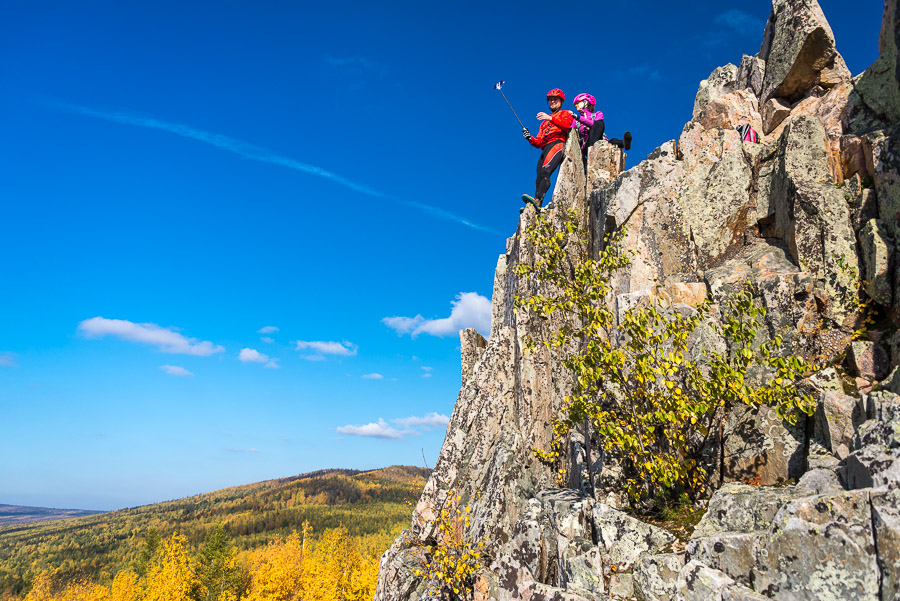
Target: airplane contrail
pixel 257 153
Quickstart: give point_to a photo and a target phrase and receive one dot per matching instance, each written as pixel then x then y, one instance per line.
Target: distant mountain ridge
pixel 368 504
pixel 23 514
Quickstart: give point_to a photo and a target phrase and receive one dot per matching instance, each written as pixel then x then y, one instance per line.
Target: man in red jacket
pixel 551 139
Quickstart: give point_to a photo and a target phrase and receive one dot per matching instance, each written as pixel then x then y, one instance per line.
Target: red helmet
pixel 556 92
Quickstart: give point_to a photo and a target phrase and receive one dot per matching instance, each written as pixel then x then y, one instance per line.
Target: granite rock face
pixel 810 217
pixel 721 81
pixel 471 346
pixel 656 576
pixel 800 51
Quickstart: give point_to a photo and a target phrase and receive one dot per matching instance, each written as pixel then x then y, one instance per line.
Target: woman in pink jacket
pixel 590 125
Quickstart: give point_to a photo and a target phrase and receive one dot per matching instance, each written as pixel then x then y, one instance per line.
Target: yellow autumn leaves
pixel 332 567
pixel 455 556
pixel 651 398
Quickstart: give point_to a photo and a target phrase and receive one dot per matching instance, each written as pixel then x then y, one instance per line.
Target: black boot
pixel 627 140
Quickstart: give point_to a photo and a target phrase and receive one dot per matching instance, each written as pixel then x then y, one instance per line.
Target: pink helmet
pixel 592 102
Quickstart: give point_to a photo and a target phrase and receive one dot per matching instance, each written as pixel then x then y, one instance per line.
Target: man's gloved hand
pixel 526 133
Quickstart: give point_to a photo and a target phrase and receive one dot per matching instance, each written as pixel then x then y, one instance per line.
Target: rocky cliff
pixel 809 215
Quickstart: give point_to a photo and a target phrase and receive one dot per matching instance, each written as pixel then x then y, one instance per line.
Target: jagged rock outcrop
pixel 799 50
pixel 809 216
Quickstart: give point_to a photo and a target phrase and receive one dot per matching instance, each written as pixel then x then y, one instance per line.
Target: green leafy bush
pixel 652 400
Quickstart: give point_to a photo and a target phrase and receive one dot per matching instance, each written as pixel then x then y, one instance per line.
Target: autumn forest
pixel 313 537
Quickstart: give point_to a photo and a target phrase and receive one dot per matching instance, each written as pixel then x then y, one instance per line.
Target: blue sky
pixel 238 239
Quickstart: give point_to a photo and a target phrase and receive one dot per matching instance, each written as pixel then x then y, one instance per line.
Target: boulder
pixel 773 113
pixel 502 307
pixel 892 382
pixel 645 199
pixel 878 85
pixel 751 72
pixel 716 202
pixel 741 508
pixel 698 582
pixel 812 216
pixel 399 566
pixel 873 461
pixel 570 183
pixel 828 106
pixel 819 548
pixel 605 163
pixel 868 360
pixel 886 522
pixel 733 553
pixel 536 591
pixel 820 482
pixel 730 110
pixel 823 380
pixel 877 260
pixel 529 551
pixel 471 345
pixel 835 421
pixel 656 576
pixel 721 81
pixel 819 544
pixel 581 569
pixel 882 151
pixel 801 51
pixel 761 447
pixel 853 158
pixel 623 538
pixel 621 585
pixel 780 287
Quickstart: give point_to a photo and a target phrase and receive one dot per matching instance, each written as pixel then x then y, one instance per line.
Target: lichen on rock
pixel 811 218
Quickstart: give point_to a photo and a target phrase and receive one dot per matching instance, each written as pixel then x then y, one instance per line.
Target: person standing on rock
pixel 551 139
pixel 591 127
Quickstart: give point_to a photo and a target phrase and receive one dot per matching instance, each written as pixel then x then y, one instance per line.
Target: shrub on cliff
pixel 639 379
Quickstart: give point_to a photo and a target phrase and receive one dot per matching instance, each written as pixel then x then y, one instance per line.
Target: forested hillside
pixel 362 511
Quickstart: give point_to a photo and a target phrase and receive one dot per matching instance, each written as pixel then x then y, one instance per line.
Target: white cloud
pixel 268 330
pixel 166 340
pixel 409 425
pixel 372 430
pixel 312 357
pixel 250 355
pixel 427 371
pixel 267 339
pixel 8 359
pixel 470 310
pixel 272 364
pixel 233 450
pixel 373 377
pixel 175 370
pixel 432 419
pixel 322 347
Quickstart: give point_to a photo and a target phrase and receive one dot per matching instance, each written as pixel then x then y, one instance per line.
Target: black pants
pixel 596 134
pixel 551 158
